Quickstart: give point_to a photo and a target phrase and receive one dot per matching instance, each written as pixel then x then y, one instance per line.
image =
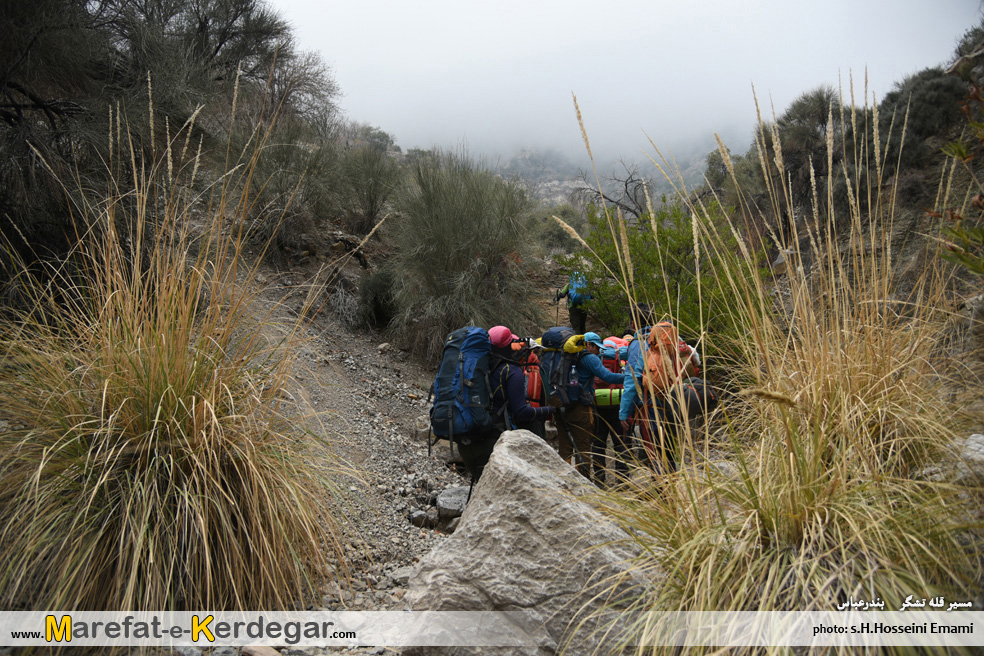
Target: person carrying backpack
pixel 575 418
pixel 576 291
pixel 658 391
pixel 462 409
pixel 607 399
pixel 529 360
pixel 510 405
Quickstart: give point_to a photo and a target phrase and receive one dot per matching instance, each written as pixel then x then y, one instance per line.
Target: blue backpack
pixel 462 396
pixel 577 289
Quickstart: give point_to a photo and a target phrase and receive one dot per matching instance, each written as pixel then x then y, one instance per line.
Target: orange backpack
pixel 662 366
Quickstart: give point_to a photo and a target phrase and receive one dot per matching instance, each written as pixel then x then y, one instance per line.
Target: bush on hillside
pixel 666 272
pixel 552 236
pixel 461 255
pixel 928 104
pixel 740 186
pixel 376 302
pixel 297 180
pixel 798 138
pixel 963 218
pixel 370 176
pixel 66 62
pixel 803 130
pixel 963 61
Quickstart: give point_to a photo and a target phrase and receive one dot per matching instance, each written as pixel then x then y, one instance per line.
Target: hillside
pixel 222 306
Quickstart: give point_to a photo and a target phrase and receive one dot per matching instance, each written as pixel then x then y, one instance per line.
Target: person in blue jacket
pixel 576 424
pixel 662 416
pixel 576 292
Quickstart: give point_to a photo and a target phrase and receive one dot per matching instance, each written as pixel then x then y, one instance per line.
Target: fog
pixel 498 76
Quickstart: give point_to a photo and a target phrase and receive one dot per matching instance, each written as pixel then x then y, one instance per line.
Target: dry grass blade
pixel 825 493
pixel 155 460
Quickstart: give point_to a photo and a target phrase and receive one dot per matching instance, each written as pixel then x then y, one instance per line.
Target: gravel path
pixel 367 397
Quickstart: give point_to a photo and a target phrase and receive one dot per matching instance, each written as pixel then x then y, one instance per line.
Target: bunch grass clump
pixel 839 414
pixel 151 458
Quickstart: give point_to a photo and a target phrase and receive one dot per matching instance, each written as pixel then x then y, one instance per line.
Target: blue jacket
pixel 634 365
pixel 566 291
pixel 588 366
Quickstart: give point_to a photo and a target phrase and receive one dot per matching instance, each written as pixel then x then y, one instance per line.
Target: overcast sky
pixel 498 75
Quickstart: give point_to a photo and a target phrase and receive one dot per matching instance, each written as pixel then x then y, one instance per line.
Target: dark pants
pixel 607 423
pixel 538 428
pixel 662 418
pixel 575 428
pixel 658 429
pixel 475 452
pixel 578 319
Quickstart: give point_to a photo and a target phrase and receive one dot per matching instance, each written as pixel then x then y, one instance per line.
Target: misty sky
pixel 497 76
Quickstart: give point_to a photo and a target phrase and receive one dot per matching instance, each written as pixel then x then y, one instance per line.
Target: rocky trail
pixel 366 398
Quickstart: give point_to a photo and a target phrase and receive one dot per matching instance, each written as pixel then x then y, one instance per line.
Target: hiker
pixel 462 410
pixel 508 410
pixel 658 393
pixel 576 291
pixel 529 360
pixel 510 406
pixel 607 399
pixel 575 420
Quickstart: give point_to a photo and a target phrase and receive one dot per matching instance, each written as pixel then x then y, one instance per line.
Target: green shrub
pixel 971 40
pixel 552 236
pixel 297 181
pixel 378 306
pixel 963 217
pixel 928 103
pixel 665 271
pixel 66 62
pixel 461 252
pixel 803 130
pixel 370 176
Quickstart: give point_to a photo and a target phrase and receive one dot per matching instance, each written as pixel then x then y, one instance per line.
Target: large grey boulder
pixel 527 542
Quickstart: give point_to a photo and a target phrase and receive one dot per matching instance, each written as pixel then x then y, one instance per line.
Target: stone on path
pixel 527 542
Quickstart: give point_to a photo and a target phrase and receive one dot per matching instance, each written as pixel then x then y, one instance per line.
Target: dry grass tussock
pixel 153 460
pixel 840 411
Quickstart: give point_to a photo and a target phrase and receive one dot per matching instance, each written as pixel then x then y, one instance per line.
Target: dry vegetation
pixel 154 461
pixel 840 411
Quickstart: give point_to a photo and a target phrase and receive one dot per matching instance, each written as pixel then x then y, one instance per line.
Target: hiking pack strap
pixel 495 361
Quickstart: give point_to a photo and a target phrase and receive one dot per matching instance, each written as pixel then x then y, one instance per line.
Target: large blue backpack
pixel 462 398
pixel 558 363
pixel 577 289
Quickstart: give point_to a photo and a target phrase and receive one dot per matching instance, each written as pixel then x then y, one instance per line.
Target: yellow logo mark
pixel 58 631
pixel 199 627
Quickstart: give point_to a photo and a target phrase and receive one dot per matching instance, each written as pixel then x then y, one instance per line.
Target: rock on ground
pixel 527 542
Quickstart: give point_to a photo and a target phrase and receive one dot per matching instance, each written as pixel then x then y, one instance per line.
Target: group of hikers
pixel 591 389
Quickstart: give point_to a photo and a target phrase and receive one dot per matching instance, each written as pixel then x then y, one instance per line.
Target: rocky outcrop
pixel 527 542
